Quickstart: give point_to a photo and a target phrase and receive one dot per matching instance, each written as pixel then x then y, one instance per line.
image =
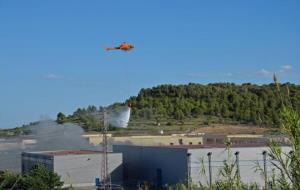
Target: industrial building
pixel 156 166
pixel 185 139
pixel 166 165
pixel 76 167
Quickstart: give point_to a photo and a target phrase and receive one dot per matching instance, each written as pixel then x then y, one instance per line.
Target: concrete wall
pixel 142 164
pixel 81 170
pixel 248 159
pixel 78 170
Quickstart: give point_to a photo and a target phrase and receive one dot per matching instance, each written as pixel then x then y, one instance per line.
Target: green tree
pixel 9 180
pixel 38 178
pixel 178 115
pixel 41 178
pixel 61 118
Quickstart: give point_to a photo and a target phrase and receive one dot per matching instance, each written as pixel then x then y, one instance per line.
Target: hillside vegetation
pixel 17 130
pixel 217 102
pixel 246 103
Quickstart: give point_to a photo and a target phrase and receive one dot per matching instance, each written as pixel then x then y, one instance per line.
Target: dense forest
pixel 245 103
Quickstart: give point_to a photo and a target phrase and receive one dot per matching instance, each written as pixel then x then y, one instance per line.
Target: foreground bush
pixel 38 178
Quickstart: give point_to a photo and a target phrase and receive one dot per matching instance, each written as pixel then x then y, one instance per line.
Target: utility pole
pixel 209 168
pixel 237 162
pixel 189 171
pixel 264 153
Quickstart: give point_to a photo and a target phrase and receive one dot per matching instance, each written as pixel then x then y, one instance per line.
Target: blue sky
pixel 52 57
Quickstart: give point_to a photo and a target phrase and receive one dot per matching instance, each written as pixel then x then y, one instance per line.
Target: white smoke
pixel 52 136
pixel 118 117
pixel 48 136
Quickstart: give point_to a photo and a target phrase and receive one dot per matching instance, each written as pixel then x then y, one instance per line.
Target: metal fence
pixel 249 169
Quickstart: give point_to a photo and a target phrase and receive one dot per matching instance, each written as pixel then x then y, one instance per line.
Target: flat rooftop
pixel 198 146
pixel 66 152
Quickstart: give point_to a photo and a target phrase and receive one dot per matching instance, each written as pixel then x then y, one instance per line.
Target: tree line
pixel 245 103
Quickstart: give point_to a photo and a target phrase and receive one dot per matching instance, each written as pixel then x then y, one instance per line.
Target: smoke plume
pixel 50 136
pixel 46 136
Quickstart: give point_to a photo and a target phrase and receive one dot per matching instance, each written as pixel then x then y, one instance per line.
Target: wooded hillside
pixel 246 103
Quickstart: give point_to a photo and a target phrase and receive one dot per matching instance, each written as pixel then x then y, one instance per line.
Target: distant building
pixel 165 165
pixel 241 139
pixel 185 139
pixel 213 139
pixel 76 167
pixel 149 140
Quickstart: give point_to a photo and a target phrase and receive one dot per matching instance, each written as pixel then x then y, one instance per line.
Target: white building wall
pixel 81 170
pixel 248 158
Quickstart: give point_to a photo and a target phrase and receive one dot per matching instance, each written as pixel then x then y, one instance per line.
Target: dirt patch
pixel 232 129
